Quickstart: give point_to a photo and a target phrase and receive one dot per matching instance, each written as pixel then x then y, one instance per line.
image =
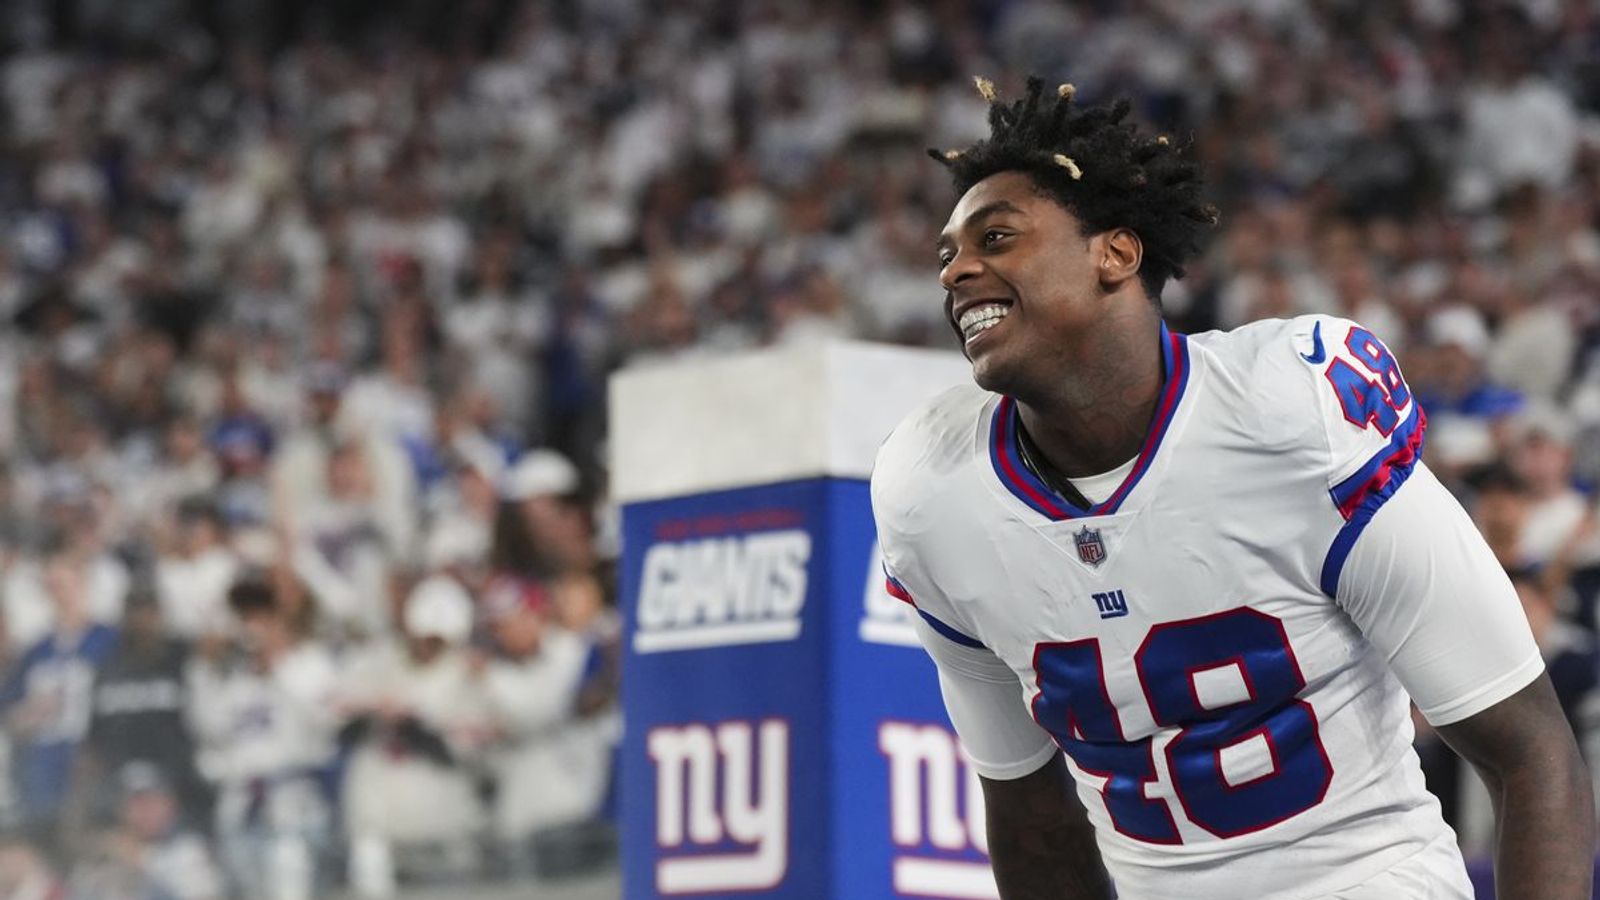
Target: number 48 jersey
pixel 1224 645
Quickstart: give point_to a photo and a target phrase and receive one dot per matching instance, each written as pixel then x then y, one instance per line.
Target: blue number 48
pixel 1369 402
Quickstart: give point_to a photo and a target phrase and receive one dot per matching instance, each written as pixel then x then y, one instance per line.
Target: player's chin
pixel 990 369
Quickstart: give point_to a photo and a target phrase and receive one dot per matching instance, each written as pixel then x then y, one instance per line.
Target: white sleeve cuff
pixel 1425 589
pixel 1487 695
pixel 1015 770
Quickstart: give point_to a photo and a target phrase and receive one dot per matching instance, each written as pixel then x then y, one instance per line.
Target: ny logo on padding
pixel 745 823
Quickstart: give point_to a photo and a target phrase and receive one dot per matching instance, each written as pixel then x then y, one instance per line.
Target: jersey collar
pixel 1034 493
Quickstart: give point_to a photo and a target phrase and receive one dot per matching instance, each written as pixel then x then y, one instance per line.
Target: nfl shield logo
pixel 1091 549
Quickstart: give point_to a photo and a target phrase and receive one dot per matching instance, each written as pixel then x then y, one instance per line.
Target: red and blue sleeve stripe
pixel 1361 495
pixel 898 591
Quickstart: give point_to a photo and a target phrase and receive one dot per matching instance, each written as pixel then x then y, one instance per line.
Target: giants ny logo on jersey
pixel 884 619
pixel 722 806
pixel 935 815
pixel 720 591
pixel 1112 604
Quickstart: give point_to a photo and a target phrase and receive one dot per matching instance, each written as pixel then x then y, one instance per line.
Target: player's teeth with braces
pixel 980 320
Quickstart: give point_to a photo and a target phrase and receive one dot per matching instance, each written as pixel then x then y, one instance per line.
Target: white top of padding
pixel 758 418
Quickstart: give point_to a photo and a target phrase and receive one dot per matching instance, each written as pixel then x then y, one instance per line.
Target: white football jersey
pixel 1220 644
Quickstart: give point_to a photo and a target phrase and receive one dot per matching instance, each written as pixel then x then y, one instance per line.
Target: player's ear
pixel 1119 252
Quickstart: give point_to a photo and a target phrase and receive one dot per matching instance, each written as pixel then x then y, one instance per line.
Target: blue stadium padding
pixel 856 700
pixel 765 660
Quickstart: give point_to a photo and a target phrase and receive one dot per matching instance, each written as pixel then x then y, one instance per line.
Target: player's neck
pixel 1095 417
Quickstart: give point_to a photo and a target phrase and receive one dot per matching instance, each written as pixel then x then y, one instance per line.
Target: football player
pixel 1212 569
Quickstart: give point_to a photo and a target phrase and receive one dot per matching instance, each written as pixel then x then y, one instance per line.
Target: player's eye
pixel 945 258
pixel 993 236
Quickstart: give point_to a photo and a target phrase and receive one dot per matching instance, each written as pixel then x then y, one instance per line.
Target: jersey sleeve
pixel 981 693
pixel 1408 565
pixel 1373 424
pixel 1425 589
pixel 1370 424
pixel 902 509
pixel 986 704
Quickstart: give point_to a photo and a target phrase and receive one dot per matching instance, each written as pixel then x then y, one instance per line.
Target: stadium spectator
pixel 242 497
pixel 263 711
pixel 497 328
pixel 1541 453
pixel 418 724
pixel 1571 654
pixel 140 715
pixel 579 606
pixel 394 400
pixel 47 698
pixel 1520 127
pixel 74 533
pixel 194 573
pixel 462 530
pixel 25 874
pixel 542 532
pixel 301 470
pixel 183 469
pixel 550 767
pixel 340 547
pixel 1500 507
pixel 147 854
pixel 1453 381
pixel 463 435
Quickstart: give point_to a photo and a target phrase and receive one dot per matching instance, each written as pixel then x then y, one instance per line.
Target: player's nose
pixel 963 266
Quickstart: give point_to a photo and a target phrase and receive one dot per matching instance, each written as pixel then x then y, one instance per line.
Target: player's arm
pixel 1543 802
pixel 1425 589
pixel 1041 843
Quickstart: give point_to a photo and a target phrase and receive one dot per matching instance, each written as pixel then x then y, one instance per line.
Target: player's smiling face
pixel 1022 281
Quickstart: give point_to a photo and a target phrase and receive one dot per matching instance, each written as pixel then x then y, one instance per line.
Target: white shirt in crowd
pixel 552 766
pixel 30 613
pixel 193 591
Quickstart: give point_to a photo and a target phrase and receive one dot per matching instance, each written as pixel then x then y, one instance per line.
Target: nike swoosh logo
pixel 1316 356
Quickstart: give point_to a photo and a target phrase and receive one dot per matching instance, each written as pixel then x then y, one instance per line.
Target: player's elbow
pixel 1548 753
pixel 1568 770
pixel 1525 751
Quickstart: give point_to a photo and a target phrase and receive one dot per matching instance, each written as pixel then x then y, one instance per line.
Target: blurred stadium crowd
pixel 304 542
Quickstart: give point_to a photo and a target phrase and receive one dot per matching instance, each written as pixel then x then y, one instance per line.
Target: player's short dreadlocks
pixel 1096 165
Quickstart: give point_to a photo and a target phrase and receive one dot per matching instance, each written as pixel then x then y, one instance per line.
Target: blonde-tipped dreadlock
pixel 1098 166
